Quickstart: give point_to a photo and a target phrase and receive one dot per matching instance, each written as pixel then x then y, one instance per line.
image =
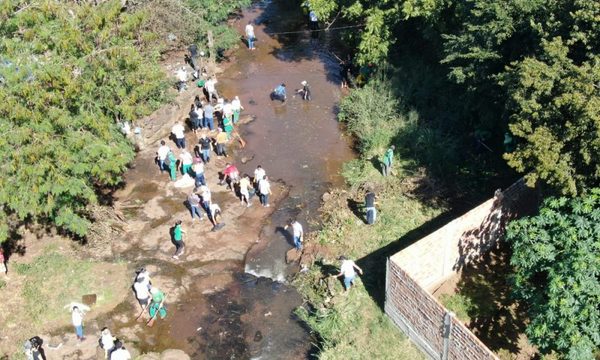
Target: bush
pixel 78 72
pixel 372 114
pixel 555 255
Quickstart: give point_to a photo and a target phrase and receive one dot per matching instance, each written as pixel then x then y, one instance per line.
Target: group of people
pixel 213 116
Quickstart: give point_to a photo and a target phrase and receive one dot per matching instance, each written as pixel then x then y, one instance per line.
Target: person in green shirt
pixel 388 159
pixel 228 127
pixel 172 162
pixel 178 240
pixel 157 307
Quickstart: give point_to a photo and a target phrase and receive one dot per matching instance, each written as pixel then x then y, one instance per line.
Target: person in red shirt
pixel 231 175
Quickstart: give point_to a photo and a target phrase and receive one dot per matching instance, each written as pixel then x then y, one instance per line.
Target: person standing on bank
pixel 178 132
pixel 77 318
pixel 194 203
pixel 142 292
pixel 171 162
pixel 204 145
pixel 161 155
pixel 264 188
pixel 388 160
pixel 371 211
pixel 250 38
pixel 209 116
pixel 347 270
pixel 178 239
pixel 297 232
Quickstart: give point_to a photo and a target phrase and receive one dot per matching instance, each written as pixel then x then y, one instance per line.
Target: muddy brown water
pixel 248 311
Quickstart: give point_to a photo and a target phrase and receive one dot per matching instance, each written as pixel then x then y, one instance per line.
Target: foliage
pixel 190 21
pixel 374 120
pixel 41 288
pixel 557 263
pixel 528 69
pixel 544 56
pixel 347 324
pixel 555 109
pixel 68 73
pixel 461 305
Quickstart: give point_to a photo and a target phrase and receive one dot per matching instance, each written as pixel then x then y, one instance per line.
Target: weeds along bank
pixel 353 324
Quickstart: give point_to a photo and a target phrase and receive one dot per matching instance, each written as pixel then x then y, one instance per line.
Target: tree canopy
pixel 556 255
pixel 68 73
pixel 530 69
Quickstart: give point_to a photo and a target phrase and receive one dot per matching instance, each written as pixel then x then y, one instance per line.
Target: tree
pixel 556 257
pixel 554 109
pixel 68 73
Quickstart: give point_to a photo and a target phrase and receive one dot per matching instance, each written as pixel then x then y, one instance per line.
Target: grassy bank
pixel 353 325
pixel 41 286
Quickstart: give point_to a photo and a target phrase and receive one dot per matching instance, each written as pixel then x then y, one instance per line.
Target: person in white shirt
pixel 264 188
pixel 215 215
pixel 161 155
pixel 186 161
pixel 179 132
pixel 142 292
pixel 182 78
pixel 259 174
pixel 120 353
pixel 236 106
pixel 314 21
pixel 347 270
pixel 228 110
pixel 211 89
pixel 250 36
pixel 297 232
pixel 77 318
pixel 107 342
pixel 206 198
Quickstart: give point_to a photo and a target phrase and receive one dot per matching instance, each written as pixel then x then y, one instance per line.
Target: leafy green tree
pixel 554 109
pixel 556 256
pixel 190 21
pixel 68 74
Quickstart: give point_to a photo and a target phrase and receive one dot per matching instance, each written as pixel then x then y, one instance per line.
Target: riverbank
pixel 353 324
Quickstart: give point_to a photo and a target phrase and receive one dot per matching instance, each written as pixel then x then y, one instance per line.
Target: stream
pixel 299 144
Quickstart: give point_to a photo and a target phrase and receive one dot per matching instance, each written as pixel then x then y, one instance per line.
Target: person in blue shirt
pixel 279 93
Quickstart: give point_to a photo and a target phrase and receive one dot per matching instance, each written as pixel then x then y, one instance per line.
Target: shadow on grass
pixel 495 317
pixel 374 264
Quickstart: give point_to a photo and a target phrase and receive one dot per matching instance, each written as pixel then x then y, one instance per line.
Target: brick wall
pixel 444 252
pixel 414 271
pixel 421 317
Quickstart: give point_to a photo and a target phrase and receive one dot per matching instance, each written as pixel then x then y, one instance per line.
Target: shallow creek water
pixel 298 143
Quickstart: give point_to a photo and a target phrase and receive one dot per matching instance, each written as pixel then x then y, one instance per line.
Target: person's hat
pixel 303 83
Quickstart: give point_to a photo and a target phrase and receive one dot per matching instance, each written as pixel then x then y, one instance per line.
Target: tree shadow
pixel 374 264
pixel 496 318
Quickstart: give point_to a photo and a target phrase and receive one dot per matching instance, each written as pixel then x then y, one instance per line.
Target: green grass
pixel 459 304
pixel 353 325
pixel 53 280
